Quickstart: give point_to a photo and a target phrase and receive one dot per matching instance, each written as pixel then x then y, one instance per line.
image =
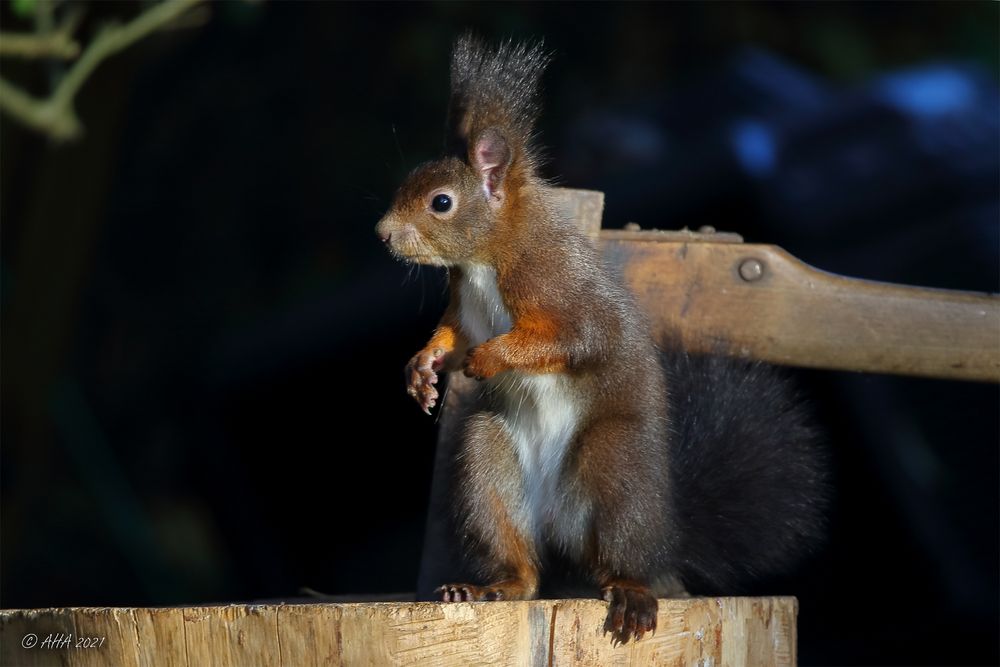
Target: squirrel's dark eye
pixel 441 203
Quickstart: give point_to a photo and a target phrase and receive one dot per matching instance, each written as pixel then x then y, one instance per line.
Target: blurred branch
pixel 55 115
pixel 45 14
pixel 54 45
pixel 46 42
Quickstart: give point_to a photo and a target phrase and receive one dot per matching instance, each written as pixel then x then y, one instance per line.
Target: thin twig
pixel 55 115
pixel 52 45
pixel 47 43
pixel 45 16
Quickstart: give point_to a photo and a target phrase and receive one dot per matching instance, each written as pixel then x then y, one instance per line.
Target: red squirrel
pixel 651 473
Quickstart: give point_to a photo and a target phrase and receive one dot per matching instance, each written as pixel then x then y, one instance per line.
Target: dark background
pixel 203 341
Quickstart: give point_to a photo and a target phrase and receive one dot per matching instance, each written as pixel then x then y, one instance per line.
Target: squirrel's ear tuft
pixel 490 156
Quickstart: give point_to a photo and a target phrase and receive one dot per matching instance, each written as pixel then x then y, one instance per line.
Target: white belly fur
pixel 539 411
pixel 483 312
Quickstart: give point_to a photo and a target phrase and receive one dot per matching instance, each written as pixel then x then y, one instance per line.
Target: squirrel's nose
pixel 383 230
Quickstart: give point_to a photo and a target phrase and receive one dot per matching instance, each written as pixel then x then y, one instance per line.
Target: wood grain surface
pixel 700 631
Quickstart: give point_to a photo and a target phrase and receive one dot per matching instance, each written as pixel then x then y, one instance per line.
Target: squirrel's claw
pixel 631 613
pixel 421 378
pixel 468 593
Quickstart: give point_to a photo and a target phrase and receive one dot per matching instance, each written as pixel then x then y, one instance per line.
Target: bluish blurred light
pixel 780 85
pixel 754 146
pixel 930 91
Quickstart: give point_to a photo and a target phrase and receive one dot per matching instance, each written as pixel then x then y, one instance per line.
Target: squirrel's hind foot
pixel 631 611
pixel 511 589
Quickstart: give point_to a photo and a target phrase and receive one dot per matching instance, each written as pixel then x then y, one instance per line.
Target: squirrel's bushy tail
pixel 494 87
pixel 746 470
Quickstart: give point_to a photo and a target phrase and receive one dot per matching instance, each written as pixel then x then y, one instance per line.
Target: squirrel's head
pixel 447 211
pixel 454 210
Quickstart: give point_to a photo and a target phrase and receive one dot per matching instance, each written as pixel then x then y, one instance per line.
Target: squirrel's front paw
pixel 481 363
pixel 421 377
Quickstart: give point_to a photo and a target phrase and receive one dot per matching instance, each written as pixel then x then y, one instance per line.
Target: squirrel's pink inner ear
pixel 491 157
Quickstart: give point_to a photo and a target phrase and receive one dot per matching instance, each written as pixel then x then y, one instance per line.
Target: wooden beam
pixel 709 631
pixel 713 293
pixel 757 301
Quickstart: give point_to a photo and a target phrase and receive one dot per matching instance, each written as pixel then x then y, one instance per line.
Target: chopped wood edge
pixel 720 631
